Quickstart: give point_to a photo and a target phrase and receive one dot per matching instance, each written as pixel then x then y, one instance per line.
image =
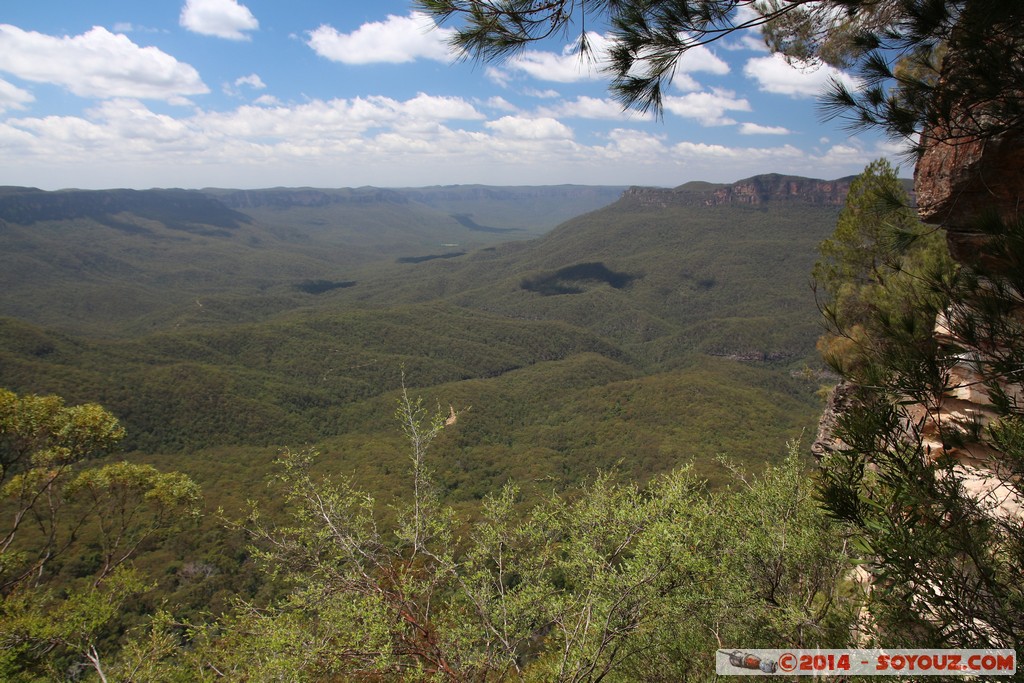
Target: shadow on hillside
pixel 563 280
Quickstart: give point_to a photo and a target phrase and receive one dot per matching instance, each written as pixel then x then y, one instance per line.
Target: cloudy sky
pixel 340 93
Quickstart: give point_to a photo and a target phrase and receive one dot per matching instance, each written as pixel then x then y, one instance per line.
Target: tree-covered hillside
pixel 636 336
pixel 123 262
pixel 628 342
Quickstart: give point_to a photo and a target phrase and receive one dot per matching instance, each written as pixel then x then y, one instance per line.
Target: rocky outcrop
pixel 840 399
pixel 958 183
pixel 755 191
pixel 957 187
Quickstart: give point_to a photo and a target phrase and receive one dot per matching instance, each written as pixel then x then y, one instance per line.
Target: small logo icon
pixel 745 660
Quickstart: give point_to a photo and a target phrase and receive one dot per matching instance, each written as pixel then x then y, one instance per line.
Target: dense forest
pixel 389 435
pixel 634 349
pixel 574 457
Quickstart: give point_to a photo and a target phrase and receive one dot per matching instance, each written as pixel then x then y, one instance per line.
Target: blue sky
pixel 262 93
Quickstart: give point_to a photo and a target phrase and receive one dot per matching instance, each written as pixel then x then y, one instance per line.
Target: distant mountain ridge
pixel 224 208
pixel 187 210
pixel 286 197
pixel 759 189
pixel 635 334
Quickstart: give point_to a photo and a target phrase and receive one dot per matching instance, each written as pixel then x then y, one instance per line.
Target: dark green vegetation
pixel 560 282
pixel 609 579
pixel 666 332
pixel 124 263
pixel 638 336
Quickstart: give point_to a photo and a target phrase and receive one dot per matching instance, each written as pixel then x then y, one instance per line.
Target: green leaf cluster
pixel 880 278
pixel 609 581
pixel 71 530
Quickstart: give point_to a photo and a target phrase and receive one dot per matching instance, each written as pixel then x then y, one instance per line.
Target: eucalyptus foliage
pixel 607 582
pixel 70 532
pixel 882 279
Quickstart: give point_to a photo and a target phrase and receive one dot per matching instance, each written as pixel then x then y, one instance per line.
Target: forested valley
pixel 559 433
pixel 659 336
pixel 236 448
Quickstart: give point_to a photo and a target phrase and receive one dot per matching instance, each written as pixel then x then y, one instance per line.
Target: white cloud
pixel 128 119
pixel 708 108
pixel 748 156
pixel 252 80
pixel 547 94
pixel 326 120
pixel 634 144
pixel 425 107
pixel 128 27
pixel 13 97
pixel 572 66
pixel 396 40
pixel 700 59
pixel 748 40
pixel 499 77
pixel 267 100
pixel 501 103
pixel 758 129
pixel 773 74
pixel 124 133
pixel 97 63
pixel 542 128
pixel 378 141
pixel 568 67
pixel 219 18
pixel 593 108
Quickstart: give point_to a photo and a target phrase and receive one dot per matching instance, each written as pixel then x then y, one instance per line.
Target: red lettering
pixel 898 662
pixel 1005 662
pixel 883 663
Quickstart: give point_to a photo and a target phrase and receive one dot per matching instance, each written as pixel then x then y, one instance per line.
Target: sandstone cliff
pixel 958 186
pixel 755 191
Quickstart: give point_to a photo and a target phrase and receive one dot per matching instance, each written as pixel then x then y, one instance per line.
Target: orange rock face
pixel 958 182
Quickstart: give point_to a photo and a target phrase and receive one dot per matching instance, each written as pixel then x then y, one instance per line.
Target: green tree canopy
pixel 874 273
pixel 70 530
pixel 608 582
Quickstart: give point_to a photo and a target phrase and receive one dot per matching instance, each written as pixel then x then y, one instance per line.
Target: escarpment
pixel 973 188
pixel 755 191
